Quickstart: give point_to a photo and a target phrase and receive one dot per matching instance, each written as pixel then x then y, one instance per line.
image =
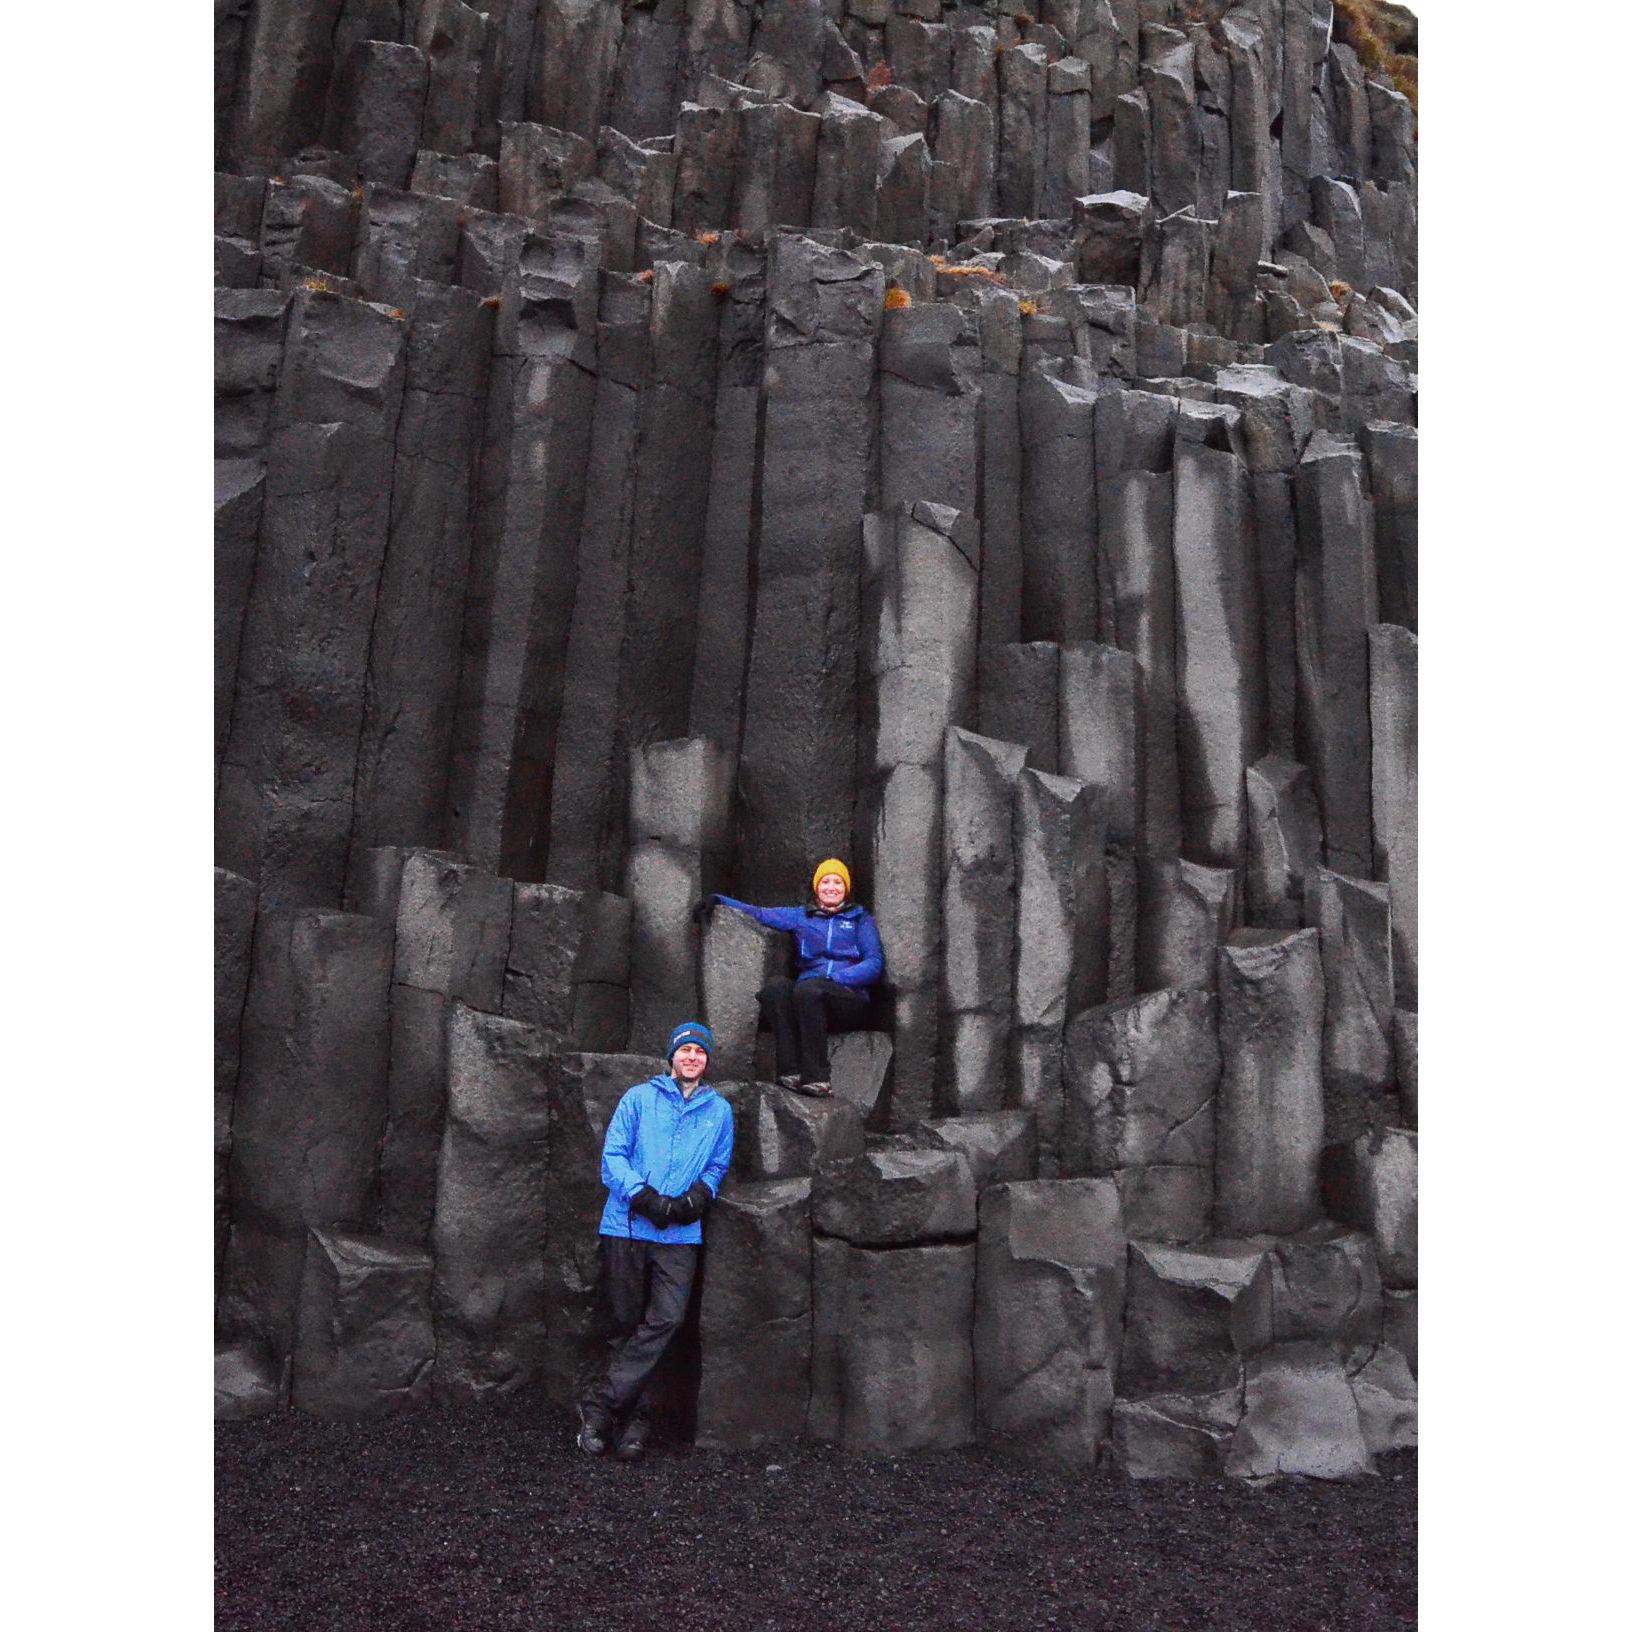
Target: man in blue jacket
pixel 667 1148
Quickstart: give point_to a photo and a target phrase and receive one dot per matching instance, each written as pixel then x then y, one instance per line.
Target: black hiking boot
pixel 632 1441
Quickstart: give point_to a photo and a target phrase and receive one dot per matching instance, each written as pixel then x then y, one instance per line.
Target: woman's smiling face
pixel 830 891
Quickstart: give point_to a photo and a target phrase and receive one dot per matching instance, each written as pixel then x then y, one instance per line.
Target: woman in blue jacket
pixel 667 1148
pixel 840 958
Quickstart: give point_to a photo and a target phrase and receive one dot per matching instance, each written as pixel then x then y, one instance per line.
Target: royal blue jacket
pixel 659 1137
pixel 840 946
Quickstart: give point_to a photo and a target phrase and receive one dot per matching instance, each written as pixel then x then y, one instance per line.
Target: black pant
pixel 645 1285
pixel 802 1013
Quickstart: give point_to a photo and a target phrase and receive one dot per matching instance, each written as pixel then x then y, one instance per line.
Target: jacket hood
pixel 665 1083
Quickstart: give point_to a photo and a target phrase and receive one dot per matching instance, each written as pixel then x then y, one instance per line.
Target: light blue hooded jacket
pixel 659 1137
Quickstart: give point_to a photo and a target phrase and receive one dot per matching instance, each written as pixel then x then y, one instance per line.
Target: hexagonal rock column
pixel 247 1383
pixel 1048 1318
pixel 823 308
pixel 781 1135
pixel 679 833
pixel 1193 1313
pixel 1141 1080
pixel 892 1367
pixel 1219 622
pixel 1060 941
pixel 1336 590
pixel 1270 1118
pixel 1186 911
pixel 234 927
pixel 929 407
pixel 488 1232
pixel 1283 841
pixel 288 774
pixel 977 914
pixel 363 1345
pixel 453 934
pixel 861 1062
pixel 998 1145
pixel 1385 1395
pixel 1352 916
pixel 738 957
pixel 918 672
pixel 1300 1417
pixel 1393 656
pixel 582 1091
pixel 310 1105
pixel 1372 1182
pixel 755 1316
pixel 889 1197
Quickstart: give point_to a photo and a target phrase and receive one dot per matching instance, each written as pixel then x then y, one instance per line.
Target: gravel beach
pixel 489 1519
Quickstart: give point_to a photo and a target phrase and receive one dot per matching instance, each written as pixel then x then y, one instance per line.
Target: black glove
pixel 700 913
pixel 687 1209
pixel 653 1204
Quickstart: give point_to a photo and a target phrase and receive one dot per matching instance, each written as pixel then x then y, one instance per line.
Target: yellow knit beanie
pixel 831 865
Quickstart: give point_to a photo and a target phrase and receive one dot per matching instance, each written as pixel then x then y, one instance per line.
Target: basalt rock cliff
pixel 663 442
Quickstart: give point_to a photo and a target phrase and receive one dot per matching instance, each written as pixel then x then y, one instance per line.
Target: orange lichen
pixel 972 272
pixel 896 299
pixel 1029 308
pixel 1340 289
pixel 357 191
pixel 879 77
pixel 646 276
pixel 1023 19
pixel 707 239
pixel 318 286
pixel 492 303
pixel 719 290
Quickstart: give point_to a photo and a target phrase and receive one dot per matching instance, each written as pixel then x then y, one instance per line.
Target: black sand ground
pixel 490 1520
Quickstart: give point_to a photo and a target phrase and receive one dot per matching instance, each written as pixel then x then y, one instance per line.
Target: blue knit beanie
pixel 692 1031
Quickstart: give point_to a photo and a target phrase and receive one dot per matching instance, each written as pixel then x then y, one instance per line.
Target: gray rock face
pixel 1372 1182
pixel 1394 792
pixel 1358 1051
pixel 1283 841
pixel 823 311
pixel 738 957
pixel 782 1135
pixel 756 1316
pixel 1141 1080
pixel 679 809
pixel 364 1345
pixel 918 615
pixel 1186 911
pixel 998 1145
pixel 1270 1116
pixel 489 1232
pixel 247 1384
pixel 978 915
pixel 1336 604
pixel 1048 1304
pixel 1300 1417
pixel 886 1198
pixel 1061 956
pixel 309 1108
pixel 1193 1314
pixel 897 1346
pixel 234 927
pixel 652 440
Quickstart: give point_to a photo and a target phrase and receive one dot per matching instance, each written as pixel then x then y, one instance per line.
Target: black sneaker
pixel 631 1442
pixel 591 1431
